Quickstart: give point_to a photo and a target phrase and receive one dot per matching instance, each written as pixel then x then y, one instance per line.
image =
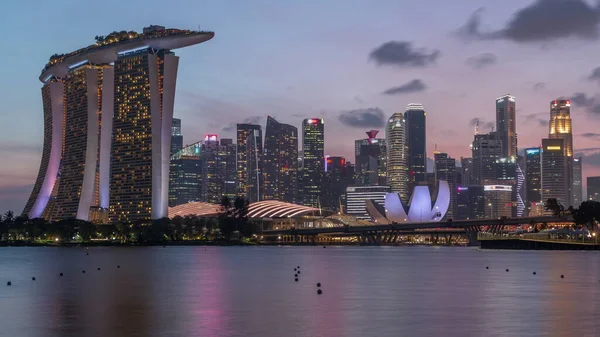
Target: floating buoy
pixel 562 276
pixel 9 283
pixel 507 270
pixel 295 275
pixel 33 278
pixel 118 266
pixel 296 279
pixel 324 247
pixel 319 284
pixel 298 267
pixel 534 273
pixel 98 268
pixel 83 271
pixel 61 274
pixel 319 292
pixel 487 267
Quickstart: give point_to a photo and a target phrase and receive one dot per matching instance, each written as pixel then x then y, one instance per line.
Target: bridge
pixel 378 234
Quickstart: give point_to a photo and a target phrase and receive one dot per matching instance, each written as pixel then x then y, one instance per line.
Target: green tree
pixel 555 207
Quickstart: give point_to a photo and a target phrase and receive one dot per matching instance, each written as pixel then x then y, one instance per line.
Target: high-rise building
pixel 486 148
pixel 533 175
pixel 416 140
pixel 506 125
pixel 445 169
pixel 560 127
pixel 313 160
pixel 186 176
pixel 176 136
pixel 577 182
pixel 108 112
pixel 593 188
pixel 371 160
pixel 397 153
pixel 470 202
pixel 243 131
pixel 357 195
pixel 498 201
pixel 554 171
pixel 254 170
pixel 466 171
pixel 280 161
pixel 213 180
pixel 338 176
pixel 227 167
pixel 508 172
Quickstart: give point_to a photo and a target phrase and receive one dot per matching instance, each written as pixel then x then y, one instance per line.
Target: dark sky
pixel 354 63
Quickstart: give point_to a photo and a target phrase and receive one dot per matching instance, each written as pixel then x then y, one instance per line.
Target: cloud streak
pixel 537 23
pixel 403 54
pixel 363 118
pixel 481 61
pixel 415 85
pixel 590 104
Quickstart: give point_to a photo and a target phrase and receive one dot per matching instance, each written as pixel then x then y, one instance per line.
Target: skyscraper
pixel 254 172
pixel 313 167
pixel 185 176
pixel 560 127
pixel 554 179
pixel 280 161
pixel 228 168
pixel 506 125
pixel 356 196
pixel 486 148
pixel 466 171
pixel 117 97
pixel 416 140
pixel 338 176
pixel 445 169
pixel 577 182
pixel 371 158
pixel 593 188
pixel 212 182
pixel 176 136
pixel 397 165
pixel 533 175
pixel 243 131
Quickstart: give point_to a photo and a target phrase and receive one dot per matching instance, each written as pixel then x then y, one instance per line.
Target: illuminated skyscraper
pixel 338 176
pixel 313 167
pixel 212 175
pixel 185 176
pixel 114 140
pixel 577 182
pixel 397 152
pixel 280 161
pixel 416 140
pixel 371 160
pixel 228 168
pixel 176 136
pixel 506 125
pixel 554 168
pixel 486 149
pixel 243 131
pixel 533 175
pixel 593 188
pixel 560 127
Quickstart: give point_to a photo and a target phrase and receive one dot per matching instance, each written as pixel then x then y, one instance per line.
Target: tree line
pixel 587 215
pixel 231 225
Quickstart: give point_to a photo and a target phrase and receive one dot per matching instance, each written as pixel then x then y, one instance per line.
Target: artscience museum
pixel 423 206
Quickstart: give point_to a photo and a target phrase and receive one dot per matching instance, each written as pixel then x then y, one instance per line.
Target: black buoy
pixel 83 271
pixel 487 267
pixel 562 276
pixel 298 272
pixel 324 247
pixel 33 278
pixel 295 269
pixel 296 279
pixel 319 292
pixel 118 266
pixel 507 270
pixel 9 283
pixel 98 268
pixel 61 274
pixel 87 253
pixel 295 275
pixel 534 273
pixel 319 284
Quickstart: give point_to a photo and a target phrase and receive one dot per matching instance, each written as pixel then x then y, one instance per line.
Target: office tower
pixel 506 125
pixel 466 171
pixel 445 169
pixel 338 176
pixel 470 202
pixel 560 127
pixel 509 173
pixel 520 208
pixel 397 165
pixel 498 201
pixel 227 167
pixel 212 182
pixel 313 165
pixel 243 131
pixel 112 104
pixel 254 172
pixel 176 136
pixel 593 188
pixel 416 140
pixel 186 177
pixel 486 148
pixel 577 180
pixel 370 160
pixel 357 195
pixel 280 161
pixel 533 175
pixel 554 171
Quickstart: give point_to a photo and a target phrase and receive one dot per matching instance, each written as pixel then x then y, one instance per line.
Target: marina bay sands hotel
pixel 108 111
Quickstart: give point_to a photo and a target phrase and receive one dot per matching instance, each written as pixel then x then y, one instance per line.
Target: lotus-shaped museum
pixel 422 206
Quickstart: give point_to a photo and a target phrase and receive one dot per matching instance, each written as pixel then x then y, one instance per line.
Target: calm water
pixel 250 291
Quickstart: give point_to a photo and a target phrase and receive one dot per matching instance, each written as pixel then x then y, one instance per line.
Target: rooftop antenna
pixel 477 127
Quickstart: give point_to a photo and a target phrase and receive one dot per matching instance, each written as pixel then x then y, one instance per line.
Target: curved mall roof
pixel 261 209
pixel 107 49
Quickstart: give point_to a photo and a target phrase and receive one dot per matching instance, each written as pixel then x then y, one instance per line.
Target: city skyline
pixel 209 102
